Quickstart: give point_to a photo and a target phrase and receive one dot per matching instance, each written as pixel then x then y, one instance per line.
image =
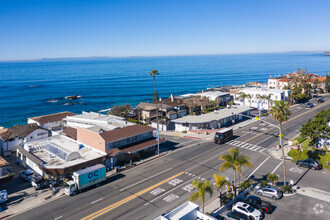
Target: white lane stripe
pixel 254 148
pixel 245 145
pixel 277 167
pixel 144 180
pixel 97 200
pixel 59 217
pixel 258 167
pixel 169 191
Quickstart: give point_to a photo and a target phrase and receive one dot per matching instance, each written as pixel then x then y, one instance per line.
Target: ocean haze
pixel 26 88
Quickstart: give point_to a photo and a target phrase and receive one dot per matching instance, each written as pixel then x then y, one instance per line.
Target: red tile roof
pixel 121 133
pixel 52 117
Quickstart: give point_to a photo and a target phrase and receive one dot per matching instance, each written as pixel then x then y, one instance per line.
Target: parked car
pixel 270 191
pixel 309 163
pixel 233 215
pixel 248 210
pixel 320 101
pixel 309 105
pixel 38 182
pixel 26 174
pixel 257 203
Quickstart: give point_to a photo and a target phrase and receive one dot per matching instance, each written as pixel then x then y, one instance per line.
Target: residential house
pixel 58 156
pixel 147 112
pixel 14 136
pixel 52 121
pixel 213 95
pixel 186 211
pixel 275 95
pixel 122 144
pixel 164 124
pixel 318 82
pixel 6 174
pixel 212 120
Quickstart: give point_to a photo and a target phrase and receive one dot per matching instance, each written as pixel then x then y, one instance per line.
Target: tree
pixel 272 177
pixel 220 181
pixel 249 97
pixel 326 83
pixel 191 104
pixel 154 73
pixel 218 101
pixel 280 112
pixel 120 110
pixel 205 101
pixel 243 161
pixel 243 96
pixel 202 188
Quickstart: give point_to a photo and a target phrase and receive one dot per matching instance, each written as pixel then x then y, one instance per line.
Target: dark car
pixel 309 105
pixel 309 163
pixel 38 182
pixel 320 101
pixel 257 203
pixel 230 215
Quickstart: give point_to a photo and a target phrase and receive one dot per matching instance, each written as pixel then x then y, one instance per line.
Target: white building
pixel 91 119
pixel 211 120
pixel 14 136
pixel 186 211
pixel 52 121
pixel 213 95
pixel 276 95
pixel 278 83
pixel 57 156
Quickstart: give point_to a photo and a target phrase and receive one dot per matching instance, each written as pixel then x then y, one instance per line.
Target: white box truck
pixel 85 178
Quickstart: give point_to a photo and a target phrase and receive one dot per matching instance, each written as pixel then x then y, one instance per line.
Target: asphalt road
pixel 156 187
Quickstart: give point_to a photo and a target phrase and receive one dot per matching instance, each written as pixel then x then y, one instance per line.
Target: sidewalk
pixel 314 193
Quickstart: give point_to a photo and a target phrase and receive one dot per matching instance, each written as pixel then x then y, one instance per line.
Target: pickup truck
pixel 257 203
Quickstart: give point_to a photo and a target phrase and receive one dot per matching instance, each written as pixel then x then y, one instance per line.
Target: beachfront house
pixel 52 121
pixel 223 97
pixel 90 119
pixel 57 156
pixel 122 144
pixel 14 136
pixel 256 93
pixel 213 120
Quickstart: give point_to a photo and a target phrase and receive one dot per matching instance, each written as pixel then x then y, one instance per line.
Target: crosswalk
pixel 245 145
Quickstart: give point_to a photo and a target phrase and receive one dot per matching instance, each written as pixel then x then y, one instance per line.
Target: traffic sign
pixel 280 136
pixel 256 118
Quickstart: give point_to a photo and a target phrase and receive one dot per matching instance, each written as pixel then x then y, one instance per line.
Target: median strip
pixel 117 204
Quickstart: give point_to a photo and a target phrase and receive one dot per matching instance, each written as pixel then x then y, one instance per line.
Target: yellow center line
pixel 284 122
pixel 117 204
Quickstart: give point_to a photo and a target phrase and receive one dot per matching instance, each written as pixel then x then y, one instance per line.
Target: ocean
pixel 34 88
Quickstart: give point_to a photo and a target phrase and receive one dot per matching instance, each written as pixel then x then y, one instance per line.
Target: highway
pixel 153 188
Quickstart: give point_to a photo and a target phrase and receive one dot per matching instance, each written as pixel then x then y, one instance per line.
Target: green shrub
pixel 287 189
pixel 264 183
pixel 244 185
pixel 301 138
pixel 299 98
pixel 132 120
pixel 227 197
pixel 306 144
pixel 184 131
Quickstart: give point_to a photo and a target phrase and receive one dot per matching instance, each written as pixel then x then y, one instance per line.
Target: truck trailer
pixel 85 178
pixel 223 136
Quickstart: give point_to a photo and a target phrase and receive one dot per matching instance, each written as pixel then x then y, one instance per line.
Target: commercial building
pixel 58 156
pixel 186 211
pixel 52 121
pixel 90 119
pixel 211 120
pixel 14 136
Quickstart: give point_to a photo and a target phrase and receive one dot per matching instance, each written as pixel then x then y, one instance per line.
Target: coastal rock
pixel 327 53
pixel 73 97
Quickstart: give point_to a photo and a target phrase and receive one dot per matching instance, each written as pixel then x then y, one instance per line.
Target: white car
pixel 247 210
pixel 26 174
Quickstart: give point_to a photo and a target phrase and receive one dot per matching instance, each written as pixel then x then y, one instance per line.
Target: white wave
pixel 105 110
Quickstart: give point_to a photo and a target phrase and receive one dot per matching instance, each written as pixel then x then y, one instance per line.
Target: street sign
pixel 157 135
pixel 256 118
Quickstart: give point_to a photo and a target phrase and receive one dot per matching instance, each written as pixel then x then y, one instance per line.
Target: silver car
pixel 270 191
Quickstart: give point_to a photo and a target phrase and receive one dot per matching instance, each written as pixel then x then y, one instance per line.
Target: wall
pixel 129 140
pixel 34 135
pixel 90 138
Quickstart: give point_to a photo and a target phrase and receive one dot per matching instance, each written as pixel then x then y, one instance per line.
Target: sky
pixel 32 29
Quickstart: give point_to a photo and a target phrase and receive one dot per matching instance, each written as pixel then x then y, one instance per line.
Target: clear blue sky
pixel 64 28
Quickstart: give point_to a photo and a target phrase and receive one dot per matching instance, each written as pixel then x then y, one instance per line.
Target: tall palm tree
pixel 243 161
pixel 249 96
pixel 154 73
pixel 220 181
pixel 202 188
pixel 242 95
pixel 280 112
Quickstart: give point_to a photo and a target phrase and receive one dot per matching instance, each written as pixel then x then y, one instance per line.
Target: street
pixel 156 187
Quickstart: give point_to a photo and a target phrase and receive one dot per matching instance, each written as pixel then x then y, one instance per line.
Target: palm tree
pixel 202 188
pixel 243 95
pixel 280 112
pixel 268 98
pixel 154 73
pixel 243 161
pixel 249 97
pixel 220 181
pixel 272 177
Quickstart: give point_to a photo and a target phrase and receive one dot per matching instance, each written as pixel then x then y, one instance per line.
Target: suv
pixel 320 101
pixel 270 191
pixel 309 105
pixel 38 182
pixel 257 203
pixel 233 215
pixel 248 210
pixel 309 163
pixel 26 174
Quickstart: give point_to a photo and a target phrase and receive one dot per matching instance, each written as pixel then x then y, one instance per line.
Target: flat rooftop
pixel 212 116
pixel 60 151
pixel 262 90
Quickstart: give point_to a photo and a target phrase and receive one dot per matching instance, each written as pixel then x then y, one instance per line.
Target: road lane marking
pixel 144 180
pixel 157 191
pixel 188 188
pixel 277 167
pixel 175 182
pixel 258 166
pixel 96 200
pixel 59 217
pixel 123 201
pixel 170 198
pixel 296 170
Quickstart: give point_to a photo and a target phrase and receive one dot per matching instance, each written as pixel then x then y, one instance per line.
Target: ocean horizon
pixel 38 87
